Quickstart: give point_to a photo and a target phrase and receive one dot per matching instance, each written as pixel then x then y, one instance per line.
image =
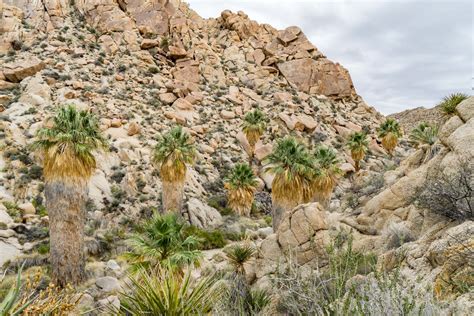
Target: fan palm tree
pixel 449 103
pixel 241 185
pixel 389 131
pixel 292 166
pixel 68 162
pixel 253 127
pixel 358 145
pixel 423 134
pixel 163 242
pixel 173 151
pixel 328 171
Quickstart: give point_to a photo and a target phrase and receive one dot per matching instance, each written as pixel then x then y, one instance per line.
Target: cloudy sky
pixel 400 53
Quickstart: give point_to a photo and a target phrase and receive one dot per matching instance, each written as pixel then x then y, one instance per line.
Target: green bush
pixel 207 239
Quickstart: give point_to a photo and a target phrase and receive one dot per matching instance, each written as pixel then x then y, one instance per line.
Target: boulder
pixel 8 251
pixel 183 104
pixel 5 218
pixel 202 215
pixel 465 109
pixel 167 98
pixel 21 69
pixel 133 129
pixel 108 284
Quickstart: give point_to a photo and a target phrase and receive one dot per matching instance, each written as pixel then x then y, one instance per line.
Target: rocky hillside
pixel 143 66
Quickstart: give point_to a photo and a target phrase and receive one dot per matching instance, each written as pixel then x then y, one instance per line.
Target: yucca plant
pixel 241 185
pixel 358 145
pixel 390 132
pixel 163 242
pixel 173 151
pixel 328 172
pixel 449 103
pixel 168 293
pixel 238 255
pixel 67 146
pixel 253 127
pixel 292 166
pixel 424 134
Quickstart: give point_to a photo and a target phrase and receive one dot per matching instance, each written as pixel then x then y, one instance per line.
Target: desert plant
pixel 449 103
pixel 163 242
pixel 328 171
pixel 253 127
pixel 27 298
pixel 173 151
pixel 450 192
pixel 66 145
pixel 238 255
pixel 292 166
pixel 167 292
pixel 241 185
pixel 358 145
pixel 390 132
pixel 423 134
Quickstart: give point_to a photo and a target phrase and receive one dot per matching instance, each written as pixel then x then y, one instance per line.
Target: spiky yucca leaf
pixel 67 146
pixel 358 145
pixel 173 151
pixel 424 134
pixel 292 166
pixel 253 126
pixel 449 103
pixel 166 292
pixel 163 242
pixel 389 131
pixel 241 185
pixel 238 255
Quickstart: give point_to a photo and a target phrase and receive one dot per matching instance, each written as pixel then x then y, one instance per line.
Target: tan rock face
pixel 318 76
pixel 20 69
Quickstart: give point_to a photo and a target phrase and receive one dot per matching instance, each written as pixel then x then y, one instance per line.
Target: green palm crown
pixel 241 176
pixel 176 144
pixel 390 125
pixel 254 121
pixel 424 133
pixel 358 142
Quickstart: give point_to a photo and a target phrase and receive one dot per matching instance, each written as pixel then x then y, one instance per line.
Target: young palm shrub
pixel 241 185
pixel 325 179
pixel 424 134
pixel 173 151
pixel 450 102
pixel 68 162
pixel 358 145
pixel 389 131
pixel 163 242
pixel 238 255
pixel 292 166
pixel 253 127
pixel 168 293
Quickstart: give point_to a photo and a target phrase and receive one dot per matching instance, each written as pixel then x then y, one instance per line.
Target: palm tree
pixel 292 166
pixel 241 185
pixel 253 127
pixel 423 134
pixel 389 131
pixel 68 162
pixel 173 151
pixel 325 180
pixel 450 102
pixel 163 242
pixel 358 145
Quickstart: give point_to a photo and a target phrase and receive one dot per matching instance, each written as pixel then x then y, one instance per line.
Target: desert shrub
pixel 397 234
pixel 320 292
pixel 206 239
pixel 450 193
pixel 389 294
pixel 33 298
pixel 168 292
pixel 449 103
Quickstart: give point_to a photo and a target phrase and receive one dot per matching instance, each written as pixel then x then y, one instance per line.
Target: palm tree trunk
pixel 357 165
pixel 173 192
pixel 279 208
pixel 65 203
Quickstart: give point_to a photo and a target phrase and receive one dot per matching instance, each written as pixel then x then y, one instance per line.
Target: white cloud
pixel 400 53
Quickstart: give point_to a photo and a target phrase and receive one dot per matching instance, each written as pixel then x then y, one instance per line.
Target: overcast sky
pixel 400 53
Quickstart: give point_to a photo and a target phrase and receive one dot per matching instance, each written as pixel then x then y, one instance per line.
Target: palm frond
pixel 238 255
pixel 173 151
pixel 67 146
pixel 423 134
